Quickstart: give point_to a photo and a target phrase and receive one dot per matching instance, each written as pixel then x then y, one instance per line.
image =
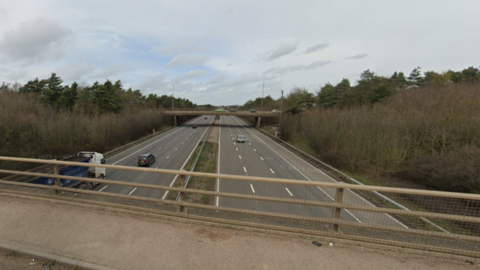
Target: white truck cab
pixel 95 158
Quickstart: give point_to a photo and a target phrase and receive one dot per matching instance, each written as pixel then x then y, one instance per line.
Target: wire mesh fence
pixel 439 221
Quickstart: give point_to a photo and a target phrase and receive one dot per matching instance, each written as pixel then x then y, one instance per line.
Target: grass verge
pixel 206 163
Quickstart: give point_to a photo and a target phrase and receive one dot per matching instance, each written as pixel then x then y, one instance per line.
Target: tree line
pixel 93 99
pixel 421 129
pixel 46 119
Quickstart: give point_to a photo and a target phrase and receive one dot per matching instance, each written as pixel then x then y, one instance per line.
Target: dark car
pixel 146 159
pixel 194 126
pixel 253 111
pixel 241 138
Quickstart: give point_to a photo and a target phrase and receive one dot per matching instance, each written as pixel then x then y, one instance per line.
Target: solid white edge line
pixel 289 192
pixel 103 188
pixel 253 190
pixel 302 173
pixel 132 191
pixel 191 153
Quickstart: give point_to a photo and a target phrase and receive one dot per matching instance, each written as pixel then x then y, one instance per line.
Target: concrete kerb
pixel 53 257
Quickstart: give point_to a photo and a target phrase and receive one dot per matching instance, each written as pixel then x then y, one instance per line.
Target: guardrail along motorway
pixel 339 218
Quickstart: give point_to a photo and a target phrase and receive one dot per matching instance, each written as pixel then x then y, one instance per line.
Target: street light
pixel 261 106
pixel 281 110
pixel 173 98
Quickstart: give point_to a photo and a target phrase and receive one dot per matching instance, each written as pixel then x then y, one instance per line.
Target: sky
pixel 228 52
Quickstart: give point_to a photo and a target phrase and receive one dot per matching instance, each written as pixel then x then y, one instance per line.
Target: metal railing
pixel 306 210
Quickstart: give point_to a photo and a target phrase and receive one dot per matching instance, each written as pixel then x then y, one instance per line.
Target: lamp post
pixel 281 110
pixel 263 89
pixel 173 98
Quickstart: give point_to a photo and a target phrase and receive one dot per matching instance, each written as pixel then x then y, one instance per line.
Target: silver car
pixel 241 138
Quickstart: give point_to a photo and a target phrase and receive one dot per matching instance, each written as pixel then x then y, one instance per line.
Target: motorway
pixel 171 149
pixel 258 156
pixel 262 157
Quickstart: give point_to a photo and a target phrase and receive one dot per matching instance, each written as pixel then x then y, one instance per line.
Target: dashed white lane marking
pixel 132 191
pixel 183 142
pixel 176 149
pixel 289 192
pixel 240 156
pixel 253 190
pixel 272 171
pixel 262 158
pixel 236 148
pixel 250 143
pixel 245 169
pixel 168 157
pixel 175 138
pixel 254 149
pixel 103 188
pixel 234 143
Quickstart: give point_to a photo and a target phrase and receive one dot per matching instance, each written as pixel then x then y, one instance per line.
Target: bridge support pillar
pixel 176 120
pixel 257 121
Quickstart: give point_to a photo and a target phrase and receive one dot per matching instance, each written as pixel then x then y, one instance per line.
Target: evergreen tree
pixel 415 77
pixel 53 93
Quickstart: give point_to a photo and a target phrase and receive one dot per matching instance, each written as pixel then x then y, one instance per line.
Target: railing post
pixel 182 194
pixel 337 211
pixel 56 171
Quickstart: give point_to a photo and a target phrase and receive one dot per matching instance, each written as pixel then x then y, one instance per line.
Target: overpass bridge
pixel 257 115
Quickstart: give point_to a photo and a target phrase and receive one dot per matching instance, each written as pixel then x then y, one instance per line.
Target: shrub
pixel 456 170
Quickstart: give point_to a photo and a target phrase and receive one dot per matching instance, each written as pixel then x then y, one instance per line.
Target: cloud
pixel 112 70
pixel 358 56
pixel 245 79
pixel 185 47
pixel 186 61
pixel 75 72
pixel 156 82
pixel 293 68
pixel 315 48
pixel 35 41
pixel 217 78
pixel 282 50
pixel 190 75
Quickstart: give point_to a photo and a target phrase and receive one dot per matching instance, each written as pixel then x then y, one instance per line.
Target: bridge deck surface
pixel 121 241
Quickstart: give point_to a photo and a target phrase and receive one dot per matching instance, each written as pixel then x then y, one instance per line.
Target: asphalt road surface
pixel 260 156
pixel 171 150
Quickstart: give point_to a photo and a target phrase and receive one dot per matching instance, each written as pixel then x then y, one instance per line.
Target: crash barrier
pixel 435 221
